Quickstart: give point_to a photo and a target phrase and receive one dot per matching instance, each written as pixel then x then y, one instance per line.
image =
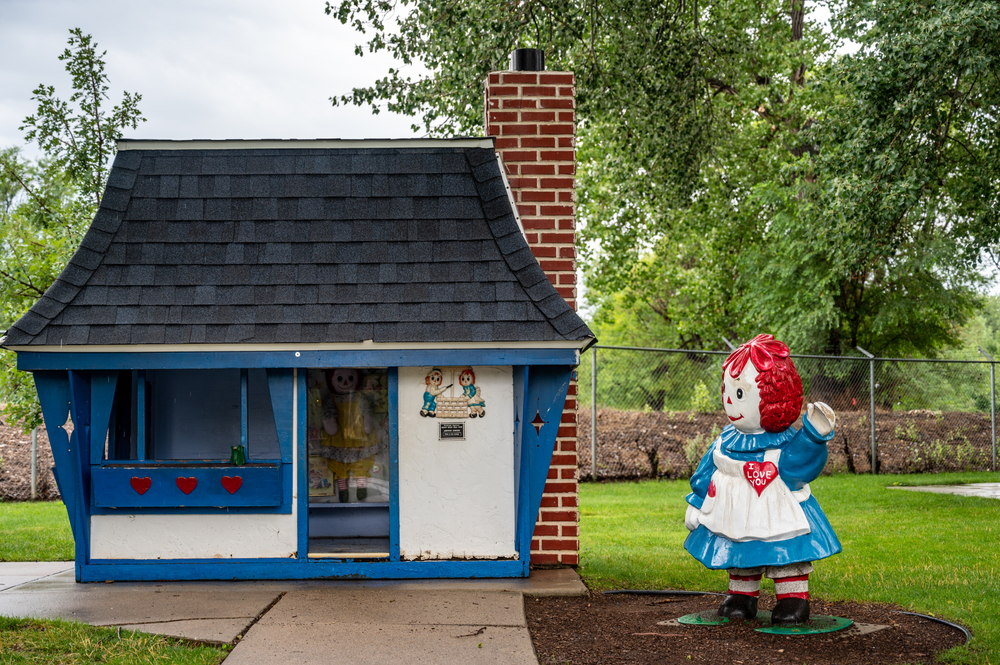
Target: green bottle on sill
pixel 238 457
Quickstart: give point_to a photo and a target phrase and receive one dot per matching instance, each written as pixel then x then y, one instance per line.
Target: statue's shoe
pixel 738 606
pixel 790 611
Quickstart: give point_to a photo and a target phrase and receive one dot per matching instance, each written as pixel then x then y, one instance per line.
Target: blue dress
pixel 803 456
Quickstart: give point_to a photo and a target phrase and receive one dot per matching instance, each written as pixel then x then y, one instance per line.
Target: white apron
pixel 751 502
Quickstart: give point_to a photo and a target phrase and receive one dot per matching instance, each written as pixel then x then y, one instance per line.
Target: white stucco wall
pixel 456 498
pixel 199 536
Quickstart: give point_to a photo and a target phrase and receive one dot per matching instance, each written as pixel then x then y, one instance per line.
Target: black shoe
pixel 790 611
pixel 344 495
pixel 362 493
pixel 738 606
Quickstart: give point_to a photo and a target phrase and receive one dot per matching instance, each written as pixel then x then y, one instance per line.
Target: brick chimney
pixel 532 114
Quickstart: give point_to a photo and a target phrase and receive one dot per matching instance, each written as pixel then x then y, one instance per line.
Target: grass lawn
pixel 935 554
pixel 70 643
pixel 35 532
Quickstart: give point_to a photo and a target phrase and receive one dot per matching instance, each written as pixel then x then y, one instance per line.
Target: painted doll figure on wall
pixel 750 511
pixel 472 393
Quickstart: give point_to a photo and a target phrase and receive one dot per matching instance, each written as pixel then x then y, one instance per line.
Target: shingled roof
pixel 302 242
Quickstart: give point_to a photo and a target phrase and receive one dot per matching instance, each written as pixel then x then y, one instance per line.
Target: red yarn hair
pixel 778 380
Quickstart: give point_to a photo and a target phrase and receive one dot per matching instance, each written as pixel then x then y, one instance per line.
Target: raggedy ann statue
pixel 751 511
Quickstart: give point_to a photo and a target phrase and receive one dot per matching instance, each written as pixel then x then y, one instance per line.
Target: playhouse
pixel 302 359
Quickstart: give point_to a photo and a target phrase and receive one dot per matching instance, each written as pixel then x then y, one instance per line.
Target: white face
pixel 741 399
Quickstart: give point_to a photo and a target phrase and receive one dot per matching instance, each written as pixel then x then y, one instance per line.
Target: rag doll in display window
pixel 750 511
pixel 348 440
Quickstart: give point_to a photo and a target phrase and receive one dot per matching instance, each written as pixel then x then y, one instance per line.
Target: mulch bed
pixel 15 466
pixel 623 629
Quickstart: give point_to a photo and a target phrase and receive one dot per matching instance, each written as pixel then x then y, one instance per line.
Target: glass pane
pixel 348 422
pixel 194 414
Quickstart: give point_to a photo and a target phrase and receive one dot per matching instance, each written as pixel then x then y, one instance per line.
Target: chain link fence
pixel 658 410
pixel 16 478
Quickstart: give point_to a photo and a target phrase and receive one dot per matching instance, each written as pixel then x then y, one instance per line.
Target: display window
pixel 348 430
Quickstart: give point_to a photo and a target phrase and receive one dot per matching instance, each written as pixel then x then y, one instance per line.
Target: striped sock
pixel 791 587
pixel 745 585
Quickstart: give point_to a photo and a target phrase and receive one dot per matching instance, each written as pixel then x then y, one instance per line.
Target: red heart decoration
pixel 187 485
pixel 141 485
pixel 760 475
pixel 232 483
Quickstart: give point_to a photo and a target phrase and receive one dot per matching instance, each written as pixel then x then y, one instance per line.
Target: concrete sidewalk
pixel 983 490
pixel 420 621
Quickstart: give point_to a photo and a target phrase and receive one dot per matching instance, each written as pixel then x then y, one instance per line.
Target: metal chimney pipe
pixel 527 60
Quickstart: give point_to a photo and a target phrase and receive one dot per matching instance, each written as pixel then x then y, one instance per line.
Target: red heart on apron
pixel 232 483
pixel 187 485
pixel 760 475
pixel 141 485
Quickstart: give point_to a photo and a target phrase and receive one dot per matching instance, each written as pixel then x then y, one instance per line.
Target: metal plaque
pixel 451 431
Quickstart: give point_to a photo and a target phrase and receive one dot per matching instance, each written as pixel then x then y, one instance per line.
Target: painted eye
pixel 739 393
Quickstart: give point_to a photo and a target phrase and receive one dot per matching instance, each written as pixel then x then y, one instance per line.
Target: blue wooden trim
pixel 260 485
pixel 36 360
pixel 546 396
pixel 244 439
pixel 79 408
pixel 140 417
pixel 102 394
pixel 280 385
pixel 300 402
pixel 394 464
pixel 522 473
pixel 101 570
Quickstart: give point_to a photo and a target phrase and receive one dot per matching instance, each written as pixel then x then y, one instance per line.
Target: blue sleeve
pixel 702 478
pixel 803 459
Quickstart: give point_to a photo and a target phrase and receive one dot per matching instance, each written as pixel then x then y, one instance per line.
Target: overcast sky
pixel 206 69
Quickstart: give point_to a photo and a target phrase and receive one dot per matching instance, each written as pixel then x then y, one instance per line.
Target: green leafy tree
pixel 48 204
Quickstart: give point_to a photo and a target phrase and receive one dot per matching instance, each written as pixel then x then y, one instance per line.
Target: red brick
pixel 553 474
pixel 543 559
pixel 550 544
pixel 572 389
pixel 558 155
pixel 563 460
pixel 568 238
pixel 492 103
pixel 538 223
pixel 543 196
pixel 567 197
pixel 519 155
pixel 569 432
pixel 539 91
pixel 504 144
pixel 557 183
pixel 556 129
pixel 560 515
pixel 520 183
pixel 569 559
pixel 567 169
pixel 494 77
pixel 519 77
pixel 567 446
pixel 538 169
pixel 547 530
pixel 543 252
pixel 556 79
pixel 570 531
pixel 558 211
pixel 538 142
pixel 536 544
pixel 553 278
pixel 567 252
pixel 524 210
pixel 501 90
pixel 568 418
pixel 568 474
pixel 503 116
pixel 556 266
pixel 520 130
pixel 550 502
pixel 567 224
pixel 569 502
pixel 567 142
pixel 519 104
pixel 538 116
pixel 567 116
pixel 559 488
pixel 566 92
pixel 568 278
pixel 555 103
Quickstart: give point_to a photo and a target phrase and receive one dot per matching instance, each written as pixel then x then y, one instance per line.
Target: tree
pixel 48 204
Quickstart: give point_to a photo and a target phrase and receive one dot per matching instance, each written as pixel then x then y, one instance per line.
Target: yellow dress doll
pixel 348 439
